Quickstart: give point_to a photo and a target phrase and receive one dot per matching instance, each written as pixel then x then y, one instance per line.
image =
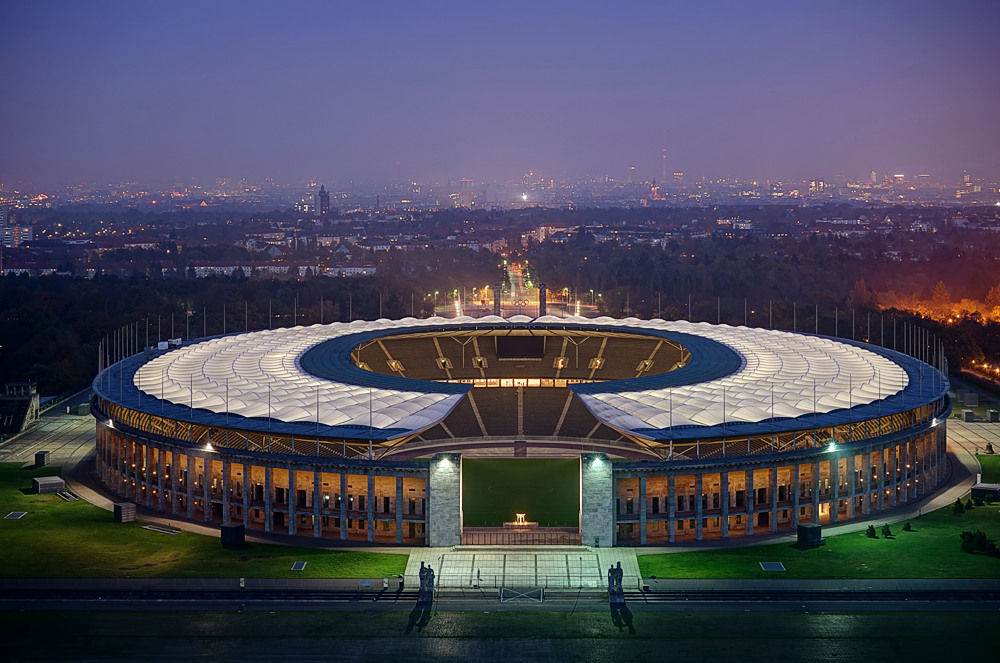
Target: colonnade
pixel 661 503
pixel 374 502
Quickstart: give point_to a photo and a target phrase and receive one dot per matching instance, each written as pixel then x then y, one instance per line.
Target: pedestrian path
pixel 551 567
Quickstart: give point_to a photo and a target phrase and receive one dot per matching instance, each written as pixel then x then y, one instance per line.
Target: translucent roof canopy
pixel 785 375
pixel 755 375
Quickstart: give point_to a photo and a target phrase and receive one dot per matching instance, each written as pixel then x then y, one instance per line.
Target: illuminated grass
pixel 931 550
pixel 77 539
pixel 991 467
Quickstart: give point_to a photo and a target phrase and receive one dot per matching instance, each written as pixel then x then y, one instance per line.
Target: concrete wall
pixel 444 501
pixel 597 501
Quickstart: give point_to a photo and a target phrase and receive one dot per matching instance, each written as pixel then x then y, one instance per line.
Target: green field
pixel 77 539
pixel 546 489
pixel 577 636
pixel 931 550
pixel 991 467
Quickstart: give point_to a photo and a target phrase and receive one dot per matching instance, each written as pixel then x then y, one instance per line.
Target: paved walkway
pixel 552 567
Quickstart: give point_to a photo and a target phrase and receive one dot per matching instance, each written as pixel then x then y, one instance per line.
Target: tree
pixel 993 297
pixel 941 298
pixel 870 532
pixel 958 508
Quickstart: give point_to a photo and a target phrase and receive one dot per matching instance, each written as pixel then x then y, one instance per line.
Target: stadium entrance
pixel 520 501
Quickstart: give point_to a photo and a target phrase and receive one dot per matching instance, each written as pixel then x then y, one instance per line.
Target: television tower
pixel 663 178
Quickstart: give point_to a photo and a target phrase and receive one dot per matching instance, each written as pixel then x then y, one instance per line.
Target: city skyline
pixel 385 94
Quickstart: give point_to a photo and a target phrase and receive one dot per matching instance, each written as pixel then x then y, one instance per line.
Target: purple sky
pixel 170 91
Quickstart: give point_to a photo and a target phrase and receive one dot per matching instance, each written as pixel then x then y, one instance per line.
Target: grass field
pixel 931 550
pixel 77 539
pixel 546 489
pixel 991 467
pixel 500 635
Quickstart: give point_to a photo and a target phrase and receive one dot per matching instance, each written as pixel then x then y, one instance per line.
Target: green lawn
pixel 77 539
pixel 991 467
pixel 931 550
pixel 547 490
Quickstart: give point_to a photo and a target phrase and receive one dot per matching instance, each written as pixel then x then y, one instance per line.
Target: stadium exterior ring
pixel 326 431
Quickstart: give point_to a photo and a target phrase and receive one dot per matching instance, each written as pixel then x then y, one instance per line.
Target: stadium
pixel 522 430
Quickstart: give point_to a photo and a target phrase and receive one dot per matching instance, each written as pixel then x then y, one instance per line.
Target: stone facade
pixel 444 501
pixel 597 500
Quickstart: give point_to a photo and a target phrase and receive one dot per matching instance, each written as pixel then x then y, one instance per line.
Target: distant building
pixel 14 236
pixel 322 207
pixel 18 407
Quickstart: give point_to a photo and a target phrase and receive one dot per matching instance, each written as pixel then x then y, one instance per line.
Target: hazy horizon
pixel 116 91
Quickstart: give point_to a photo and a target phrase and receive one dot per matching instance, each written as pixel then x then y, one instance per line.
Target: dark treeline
pixel 50 327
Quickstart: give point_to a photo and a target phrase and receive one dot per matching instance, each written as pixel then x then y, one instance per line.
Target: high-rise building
pixel 322 207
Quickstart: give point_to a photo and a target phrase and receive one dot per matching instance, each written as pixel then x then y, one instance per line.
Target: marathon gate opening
pixel 521 501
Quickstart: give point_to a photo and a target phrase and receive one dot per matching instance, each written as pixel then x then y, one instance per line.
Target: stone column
pixel 834 489
pixel 317 499
pixel 226 489
pixel 868 486
pixel 852 491
pixel 642 510
pixel 116 470
pixel 247 487
pixel 399 509
pixel 268 500
pixel 724 503
pixel 905 471
pixel 882 469
pixel 147 470
pixel 815 493
pixel 370 503
pixel 671 509
pixel 206 489
pixel 444 500
pixel 773 520
pixel 343 504
pixel 129 461
pixel 291 493
pixel 893 476
pixel 699 506
pixel 175 502
pixel 160 482
pixel 796 487
pixel 189 485
pixel 751 500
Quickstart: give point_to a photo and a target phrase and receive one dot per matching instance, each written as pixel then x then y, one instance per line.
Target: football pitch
pixel 547 490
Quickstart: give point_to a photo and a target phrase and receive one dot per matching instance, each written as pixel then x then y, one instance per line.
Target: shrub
pixel 886 532
pixel 989 498
pixel 958 508
pixel 906 527
pixel 978 501
pixel 870 532
pixel 967 544
pixel 979 540
pixel 992 550
pixel 968 504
